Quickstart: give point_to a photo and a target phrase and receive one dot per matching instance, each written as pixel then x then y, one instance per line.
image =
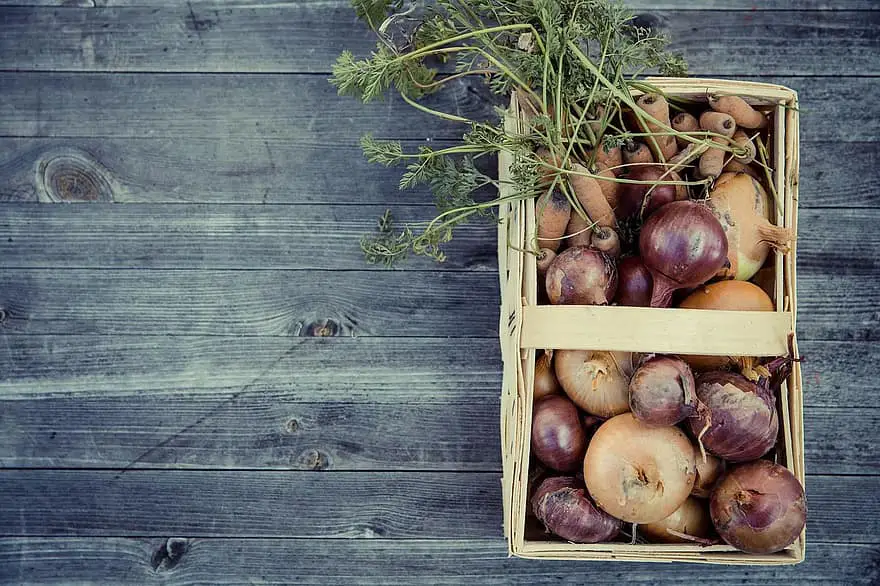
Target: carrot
pixel 742 112
pixel 684 122
pixel 742 140
pixel 718 122
pixel 735 166
pixel 578 231
pixel 545 258
pixel 610 158
pixel 589 194
pixel 553 211
pixel 609 188
pixel 637 152
pixel 712 161
pixel 606 240
pixel 656 106
pixel 547 174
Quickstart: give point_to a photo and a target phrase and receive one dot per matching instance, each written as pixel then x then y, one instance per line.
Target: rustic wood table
pixel 202 382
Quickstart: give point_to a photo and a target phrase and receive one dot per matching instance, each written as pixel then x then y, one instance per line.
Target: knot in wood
pixel 169 554
pixel 292 425
pixel 315 460
pixel 71 175
pixel 651 22
pixel 325 328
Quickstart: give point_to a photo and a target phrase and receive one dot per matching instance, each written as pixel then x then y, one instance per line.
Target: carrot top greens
pixel 572 63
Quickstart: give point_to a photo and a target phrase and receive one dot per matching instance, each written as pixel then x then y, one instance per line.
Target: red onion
pixel 558 437
pixel 634 283
pixel 561 503
pixel 633 197
pixel 581 276
pixel 738 420
pixel 759 507
pixel 683 245
pixel 662 391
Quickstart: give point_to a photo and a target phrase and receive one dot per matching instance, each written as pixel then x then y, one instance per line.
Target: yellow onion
pixel 691 519
pixel 597 381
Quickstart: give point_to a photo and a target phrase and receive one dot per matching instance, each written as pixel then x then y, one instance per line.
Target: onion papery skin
pixel 558 437
pixel 561 503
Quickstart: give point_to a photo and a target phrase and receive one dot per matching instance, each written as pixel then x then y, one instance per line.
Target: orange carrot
pixel 637 152
pixel 656 106
pixel 742 140
pixel 609 188
pixel 553 211
pixel 589 194
pixel 578 231
pixel 609 158
pixel 718 122
pixel 742 112
pixel 684 122
pixel 712 161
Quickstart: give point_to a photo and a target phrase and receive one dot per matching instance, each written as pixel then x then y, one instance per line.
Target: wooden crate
pixel 526 327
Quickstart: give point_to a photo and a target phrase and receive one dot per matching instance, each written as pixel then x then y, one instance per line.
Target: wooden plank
pixel 250 170
pixel 306 109
pixel 340 369
pixel 391 505
pixel 316 237
pixel 220 236
pixel 341 303
pixel 307 37
pixel 103 560
pixel 252 428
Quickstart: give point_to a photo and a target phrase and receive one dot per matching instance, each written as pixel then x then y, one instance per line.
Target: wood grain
pixel 391 505
pixel 305 108
pixel 333 303
pixel 307 37
pixel 250 170
pixel 316 237
pixel 104 560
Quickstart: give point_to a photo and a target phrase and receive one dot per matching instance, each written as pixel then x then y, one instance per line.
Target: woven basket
pixel 526 327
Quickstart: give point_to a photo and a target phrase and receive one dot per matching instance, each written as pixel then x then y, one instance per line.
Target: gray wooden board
pixel 351 370
pixel 307 37
pixel 722 5
pixel 327 302
pixel 276 170
pixel 306 109
pixel 105 560
pixel 393 505
pixel 317 237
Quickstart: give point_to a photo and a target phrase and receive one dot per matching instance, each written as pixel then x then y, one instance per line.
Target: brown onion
pixel 581 276
pixel 683 245
pixel 545 378
pixel 759 507
pixel 561 503
pixel 558 437
pixel 637 472
pixel 642 199
pixel 691 518
pixel 634 283
pixel 662 391
pixel 598 382
pixel 739 421
pixel 709 470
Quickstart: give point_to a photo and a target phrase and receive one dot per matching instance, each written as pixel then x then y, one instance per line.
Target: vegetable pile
pixel 683 456
pixel 641 199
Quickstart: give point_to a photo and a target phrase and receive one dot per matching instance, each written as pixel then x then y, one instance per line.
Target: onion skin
pixel 708 474
pixel 759 507
pixel 742 206
pixel 640 199
pixel 561 503
pixel 545 379
pixel 636 472
pixel 634 283
pixel 581 276
pixel 739 417
pixel 558 437
pixel 662 391
pixel 597 381
pixel 691 518
pixel 683 245
pixel 726 296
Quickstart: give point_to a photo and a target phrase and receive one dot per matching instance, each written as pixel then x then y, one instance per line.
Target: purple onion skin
pixel 558 437
pixel 742 418
pixel 634 283
pixel 662 391
pixel 632 197
pixel 581 276
pixel 759 507
pixel 683 245
pixel 562 504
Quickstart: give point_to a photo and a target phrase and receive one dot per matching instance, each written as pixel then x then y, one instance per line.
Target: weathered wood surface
pixel 178 561
pixel 307 37
pixel 304 109
pixel 389 505
pixel 276 170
